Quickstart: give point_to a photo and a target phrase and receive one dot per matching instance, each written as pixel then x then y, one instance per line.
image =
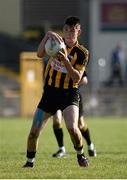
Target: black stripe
pixel 70 83
pixel 63 75
pixel 54 78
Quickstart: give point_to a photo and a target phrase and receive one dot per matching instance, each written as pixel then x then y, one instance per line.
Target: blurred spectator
pixel 118 58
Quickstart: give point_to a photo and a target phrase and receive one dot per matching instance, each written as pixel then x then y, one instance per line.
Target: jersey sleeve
pixel 82 59
pixel 84 74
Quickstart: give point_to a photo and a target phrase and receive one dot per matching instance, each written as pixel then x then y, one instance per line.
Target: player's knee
pixel 72 129
pixel 33 135
pixel 82 125
pixel 57 125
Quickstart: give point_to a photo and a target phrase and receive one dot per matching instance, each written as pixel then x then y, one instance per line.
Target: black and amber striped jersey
pixel 56 74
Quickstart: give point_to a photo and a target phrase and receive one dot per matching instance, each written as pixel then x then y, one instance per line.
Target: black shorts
pixel 54 99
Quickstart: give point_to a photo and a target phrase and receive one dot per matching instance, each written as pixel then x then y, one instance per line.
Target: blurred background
pixel 23 24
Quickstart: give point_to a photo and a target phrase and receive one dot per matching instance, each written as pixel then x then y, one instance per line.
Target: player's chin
pixel 67 38
pixel 70 41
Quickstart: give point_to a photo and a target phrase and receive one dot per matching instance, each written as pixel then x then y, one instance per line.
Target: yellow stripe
pixel 75 85
pixel 48 66
pixel 50 76
pixel 58 76
pixel 66 81
pixel 74 59
pixel 69 50
pixel 80 67
pixel 47 69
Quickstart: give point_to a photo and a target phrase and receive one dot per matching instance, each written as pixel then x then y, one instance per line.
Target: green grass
pixel 108 134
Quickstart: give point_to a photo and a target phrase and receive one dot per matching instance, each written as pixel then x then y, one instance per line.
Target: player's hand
pixel 62 55
pixel 55 36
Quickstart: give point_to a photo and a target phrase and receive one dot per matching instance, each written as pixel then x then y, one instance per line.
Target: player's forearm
pixel 74 74
pixel 41 48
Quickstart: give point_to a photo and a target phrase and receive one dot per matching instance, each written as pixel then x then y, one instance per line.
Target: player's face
pixel 71 33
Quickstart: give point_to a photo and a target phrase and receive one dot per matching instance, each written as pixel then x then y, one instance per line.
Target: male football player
pixel 62 76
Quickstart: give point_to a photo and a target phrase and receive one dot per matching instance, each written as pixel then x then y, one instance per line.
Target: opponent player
pixel 62 76
pixel 58 131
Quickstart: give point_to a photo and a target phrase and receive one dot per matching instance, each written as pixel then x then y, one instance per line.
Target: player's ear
pixel 79 32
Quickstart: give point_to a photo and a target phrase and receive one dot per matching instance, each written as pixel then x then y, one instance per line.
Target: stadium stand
pixel 105 101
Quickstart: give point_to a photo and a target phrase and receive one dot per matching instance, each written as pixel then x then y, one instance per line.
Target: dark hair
pixel 72 20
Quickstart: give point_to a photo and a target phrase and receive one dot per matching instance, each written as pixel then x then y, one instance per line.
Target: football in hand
pixel 52 47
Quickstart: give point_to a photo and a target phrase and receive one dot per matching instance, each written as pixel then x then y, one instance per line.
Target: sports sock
pixel 79 150
pixel 86 135
pixel 30 156
pixel 31 160
pixel 62 148
pixel 59 136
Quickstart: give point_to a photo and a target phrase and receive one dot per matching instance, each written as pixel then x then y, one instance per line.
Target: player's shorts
pixel 54 99
pixel 81 112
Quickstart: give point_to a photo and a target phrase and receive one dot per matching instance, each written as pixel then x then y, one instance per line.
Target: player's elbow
pixel 84 80
pixel 76 79
pixel 39 54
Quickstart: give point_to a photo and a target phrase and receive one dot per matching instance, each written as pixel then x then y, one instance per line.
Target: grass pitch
pixel 109 136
